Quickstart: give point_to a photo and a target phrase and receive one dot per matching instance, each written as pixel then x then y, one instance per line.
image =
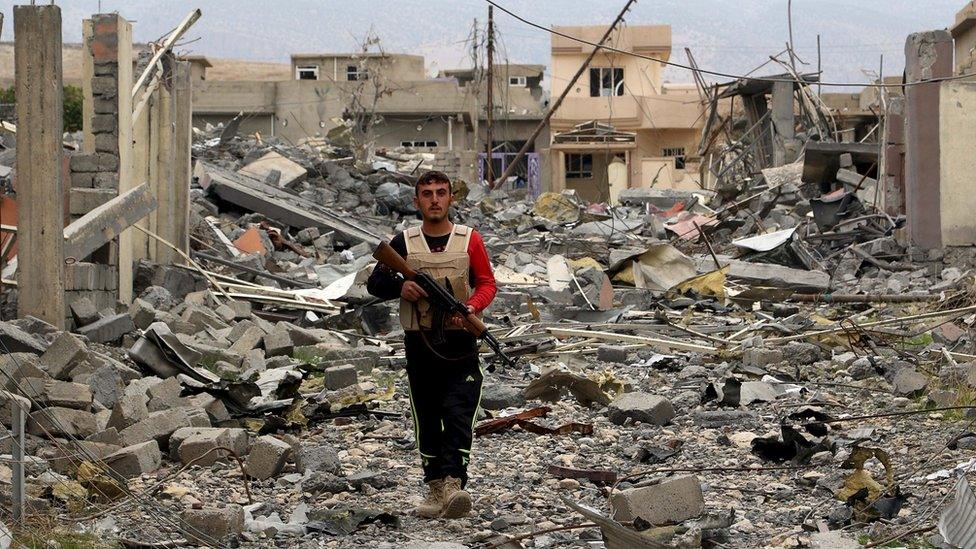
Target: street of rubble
pixel 694 369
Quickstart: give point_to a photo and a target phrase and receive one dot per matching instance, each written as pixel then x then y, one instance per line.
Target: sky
pixel 732 36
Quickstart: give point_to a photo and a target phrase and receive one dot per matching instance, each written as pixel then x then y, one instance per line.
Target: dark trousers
pixel 445 392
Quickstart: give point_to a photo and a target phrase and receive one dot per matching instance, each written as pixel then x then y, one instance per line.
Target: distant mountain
pixel 733 36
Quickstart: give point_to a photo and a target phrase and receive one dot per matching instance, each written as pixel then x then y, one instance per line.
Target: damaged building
pixel 741 312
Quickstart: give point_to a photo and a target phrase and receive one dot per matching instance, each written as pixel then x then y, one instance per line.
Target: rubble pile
pixel 760 367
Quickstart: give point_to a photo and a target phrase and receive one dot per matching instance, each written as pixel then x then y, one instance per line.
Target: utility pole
pixel 475 83
pixel 491 95
pixel 559 101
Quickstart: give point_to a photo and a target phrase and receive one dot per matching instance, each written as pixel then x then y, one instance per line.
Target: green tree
pixel 73 99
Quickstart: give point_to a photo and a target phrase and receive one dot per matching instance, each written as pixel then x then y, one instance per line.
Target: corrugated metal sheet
pixel 958 522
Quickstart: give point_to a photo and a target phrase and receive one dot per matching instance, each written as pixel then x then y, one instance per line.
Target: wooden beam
pixel 37 59
pixel 101 225
pixel 167 46
pixel 665 345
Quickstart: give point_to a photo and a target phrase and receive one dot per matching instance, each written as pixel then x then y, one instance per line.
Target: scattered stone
pixel 318 458
pixel 278 343
pixel 612 353
pixel 66 352
pixel 495 396
pixel 643 407
pixel 15 340
pixel 138 459
pixel 909 382
pixel 267 457
pixel 670 502
pixel 340 377
pixel 198 445
pixel 62 422
pixel 83 311
pixel 216 523
pixel 109 328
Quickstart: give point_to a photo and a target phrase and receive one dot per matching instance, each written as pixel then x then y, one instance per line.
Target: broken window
pixel 309 72
pixel 354 73
pixel 606 82
pixel 579 166
pixel 518 81
pixel 679 156
pixel 418 143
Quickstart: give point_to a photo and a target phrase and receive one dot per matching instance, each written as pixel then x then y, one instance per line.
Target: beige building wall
pixel 663 116
pixel 957 131
pixel 964 34
pixel 334 67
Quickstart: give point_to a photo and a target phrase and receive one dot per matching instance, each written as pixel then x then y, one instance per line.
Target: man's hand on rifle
pixel 411 291
pixel 457 320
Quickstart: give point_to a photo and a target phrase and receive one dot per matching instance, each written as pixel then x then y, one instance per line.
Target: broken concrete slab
pixel 62 422
pixel 216 523
pixel 51 392
pixel 102 224
pixel 130 409
pixel 670 502
pixel 109 328
pixel 267 457
pixel 15 340
pixel 340 377
pixel 135 460
pixel 83 311
pixel 159 426
pixel 63 355
pixel 643 407
pixel 199 445
pixel 289 172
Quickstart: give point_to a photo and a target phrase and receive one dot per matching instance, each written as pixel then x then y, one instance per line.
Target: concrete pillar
pixel 893 185
pixel 182 140
pixel 40 241
pixel 165 189
pixel 927 55
pixel 784 125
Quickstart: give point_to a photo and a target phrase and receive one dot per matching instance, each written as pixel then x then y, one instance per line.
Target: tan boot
pixel 456 502
pixel 433 505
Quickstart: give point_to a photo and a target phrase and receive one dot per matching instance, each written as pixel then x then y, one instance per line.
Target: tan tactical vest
pixel 453 264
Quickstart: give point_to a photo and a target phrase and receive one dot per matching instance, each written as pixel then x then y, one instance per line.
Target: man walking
pixel 444 377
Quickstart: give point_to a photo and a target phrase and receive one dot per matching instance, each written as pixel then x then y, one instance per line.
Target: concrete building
pixel 963 33
pixel 621 125
pixel 520 103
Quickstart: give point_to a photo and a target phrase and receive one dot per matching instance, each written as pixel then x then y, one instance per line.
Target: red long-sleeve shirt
pixel 385 284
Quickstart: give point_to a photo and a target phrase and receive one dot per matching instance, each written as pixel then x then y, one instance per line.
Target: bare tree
pixel 372 85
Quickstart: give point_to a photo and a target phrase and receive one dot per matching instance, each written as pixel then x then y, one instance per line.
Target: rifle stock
pixel 386 255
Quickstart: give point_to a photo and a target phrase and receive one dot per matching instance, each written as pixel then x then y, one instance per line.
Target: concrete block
pixel 106 180
pixel 214 522
pixel 759 357
pixel 51 392
pixel 129 410
pixel 7 402
pixel 18 366
pixel 63 355
pixel 16 340
pixel 108 329
pixel 83 163
pixel 82 180
pixel 107 142
pixel 107 162
pixel 142 312
pixel 267 457
pixel 670 502
pixel 165 394
pixel 107 436
pixel 138 459
pixel 642 407
pixel 104 123
pixel 106 86
pixel 340 377
pixel 158 425
pixel 225 313
pixel 86 200
pixel 62 422
pixel 278 343
pixel 105 106
pixel 250 339
pixel 195 447
pixel 213 406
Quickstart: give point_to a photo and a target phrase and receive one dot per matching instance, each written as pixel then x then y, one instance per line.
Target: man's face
pixel 433 200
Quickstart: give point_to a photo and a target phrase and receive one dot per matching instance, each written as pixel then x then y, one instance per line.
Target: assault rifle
pixel 442 299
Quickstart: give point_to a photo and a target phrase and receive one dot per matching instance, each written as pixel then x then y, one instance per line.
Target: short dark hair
pixel 431 177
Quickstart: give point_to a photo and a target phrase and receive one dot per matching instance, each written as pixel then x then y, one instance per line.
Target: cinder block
pixel 670 502
pixel 86 200
pixel 107 142
pixel 82 180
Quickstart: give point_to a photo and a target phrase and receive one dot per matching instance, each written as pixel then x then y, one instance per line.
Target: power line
pixel 722 74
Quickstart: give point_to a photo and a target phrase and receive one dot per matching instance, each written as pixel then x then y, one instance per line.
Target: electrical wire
pixel 723 74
